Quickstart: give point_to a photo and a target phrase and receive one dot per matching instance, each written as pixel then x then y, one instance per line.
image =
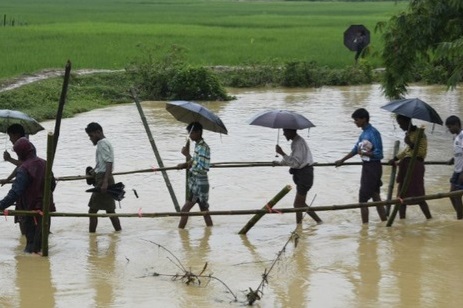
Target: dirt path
pixel 45 74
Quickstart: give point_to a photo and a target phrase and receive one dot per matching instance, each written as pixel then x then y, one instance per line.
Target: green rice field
pixel 108 34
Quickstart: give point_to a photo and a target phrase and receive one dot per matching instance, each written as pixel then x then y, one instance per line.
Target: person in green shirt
pixel 416 184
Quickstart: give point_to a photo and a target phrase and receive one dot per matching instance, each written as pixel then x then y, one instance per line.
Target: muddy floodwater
pixel 340 263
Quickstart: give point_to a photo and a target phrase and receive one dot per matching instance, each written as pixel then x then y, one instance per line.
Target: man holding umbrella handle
pixel 198 167
pixel 416 185
pixel 301 162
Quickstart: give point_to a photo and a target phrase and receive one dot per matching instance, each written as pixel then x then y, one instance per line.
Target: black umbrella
pixel 188 112
pixel 9 117
pixel 115 190
pixel 414 108
pixel 281 119
pixel 356 36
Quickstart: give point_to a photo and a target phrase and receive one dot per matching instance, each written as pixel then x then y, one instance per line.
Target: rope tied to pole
pixel 270 209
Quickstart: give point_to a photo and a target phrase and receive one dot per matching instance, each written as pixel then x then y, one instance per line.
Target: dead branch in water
pixel 188 277
pixel 256 294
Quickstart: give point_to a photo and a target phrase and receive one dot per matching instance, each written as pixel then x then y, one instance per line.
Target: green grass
pixel 106 33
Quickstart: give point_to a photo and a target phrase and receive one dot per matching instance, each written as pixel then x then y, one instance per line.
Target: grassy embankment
pixel 106 34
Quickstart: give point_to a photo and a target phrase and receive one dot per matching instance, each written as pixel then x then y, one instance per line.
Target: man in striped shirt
pixel 198 182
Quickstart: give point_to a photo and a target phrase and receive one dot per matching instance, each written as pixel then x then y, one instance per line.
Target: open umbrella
pixel 355 35
pixel 115 190
pixel 281 119
pixel 414 108
pixel 188 112
pixel 9 117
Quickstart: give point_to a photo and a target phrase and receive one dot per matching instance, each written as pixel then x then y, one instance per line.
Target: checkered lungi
pixel 198 186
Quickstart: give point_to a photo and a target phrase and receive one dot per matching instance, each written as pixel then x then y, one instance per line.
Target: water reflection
pixel 34 281
pixel 367 277
pixel 293 274
pixel 102 252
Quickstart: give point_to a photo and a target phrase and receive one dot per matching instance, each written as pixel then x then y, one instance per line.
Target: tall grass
pixel 107 33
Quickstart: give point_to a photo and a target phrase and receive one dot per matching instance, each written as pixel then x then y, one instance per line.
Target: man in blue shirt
pixel 370 148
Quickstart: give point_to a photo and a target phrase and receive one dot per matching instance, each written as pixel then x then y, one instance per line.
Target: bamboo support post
pixel 62 100
pixel 267 208
pixel 408 176
pixel 187 191
pixel 155 150
pixel 390 188
pixel 52 144
pixel 47 194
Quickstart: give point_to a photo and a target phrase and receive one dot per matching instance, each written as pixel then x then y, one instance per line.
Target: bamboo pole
pixel 390 189
pixel 410 200
pixel 47 194
pixel 52 144
pixel 187 191
pixel 155 150
pixel 267 208
pixel 225 165
pixel 62 101
pixel 408 176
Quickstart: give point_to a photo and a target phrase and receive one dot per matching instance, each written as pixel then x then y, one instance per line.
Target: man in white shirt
pixel 453 124
pixel 300 160
pixel 100 200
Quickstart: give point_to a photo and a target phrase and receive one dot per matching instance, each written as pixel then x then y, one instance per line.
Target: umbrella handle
pixel 278 140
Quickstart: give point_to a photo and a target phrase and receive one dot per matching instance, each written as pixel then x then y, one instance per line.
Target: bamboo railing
pixel 410 200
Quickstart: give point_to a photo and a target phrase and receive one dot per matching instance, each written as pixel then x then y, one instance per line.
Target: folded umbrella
pixel 115 190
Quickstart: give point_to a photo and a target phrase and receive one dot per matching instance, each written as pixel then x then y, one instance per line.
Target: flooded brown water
pixel 341 263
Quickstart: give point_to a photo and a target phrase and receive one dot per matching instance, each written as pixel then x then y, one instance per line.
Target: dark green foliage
pixel 250 75
pixel 429 33
pixel 301 74
pixel 296 74
pixel 190 83
pixel 309 74
pixel 160 75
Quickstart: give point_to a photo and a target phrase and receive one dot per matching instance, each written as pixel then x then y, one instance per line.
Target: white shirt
pixel 104 154
pixel 458 152
pixel 300 154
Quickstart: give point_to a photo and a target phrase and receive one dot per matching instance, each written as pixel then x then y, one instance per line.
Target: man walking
pixel 300 160
pixel 28 190
pixel 370 148
pixel 453 124
pixel 103 177
pixel 198 167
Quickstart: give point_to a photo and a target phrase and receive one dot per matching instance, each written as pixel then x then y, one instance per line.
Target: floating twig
pixel 188 277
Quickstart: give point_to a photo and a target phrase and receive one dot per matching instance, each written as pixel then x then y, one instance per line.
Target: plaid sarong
pixel 198 186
